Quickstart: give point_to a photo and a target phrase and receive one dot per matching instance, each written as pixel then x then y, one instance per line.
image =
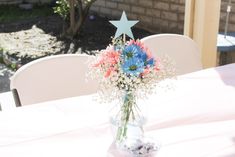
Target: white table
pixel 7 101
pixel 196 118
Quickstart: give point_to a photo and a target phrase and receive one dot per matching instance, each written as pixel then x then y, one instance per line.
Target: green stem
pixel 127 113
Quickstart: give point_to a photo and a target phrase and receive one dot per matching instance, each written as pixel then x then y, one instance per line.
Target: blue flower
pixel 142 55
pixel 131 51
pixel 150 62
pixel 147 61
pixel 133 66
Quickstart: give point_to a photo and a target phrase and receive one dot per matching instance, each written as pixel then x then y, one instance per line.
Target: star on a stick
pixel 123 26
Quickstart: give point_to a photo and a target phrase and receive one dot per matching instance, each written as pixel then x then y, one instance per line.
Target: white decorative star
pixel 123 26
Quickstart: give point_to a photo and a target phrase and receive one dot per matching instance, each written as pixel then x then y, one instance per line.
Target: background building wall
pixel 156 15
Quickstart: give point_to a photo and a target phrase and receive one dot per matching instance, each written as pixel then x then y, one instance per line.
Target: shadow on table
pixel 227 74
pixel 233 154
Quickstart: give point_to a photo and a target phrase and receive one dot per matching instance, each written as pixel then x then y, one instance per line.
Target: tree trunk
pixel 75 27
pixel 82 17
pixel 70 30
pixel 72 13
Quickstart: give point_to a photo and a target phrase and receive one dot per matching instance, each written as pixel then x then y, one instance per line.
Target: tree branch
pixel 72 13
pixel 84 15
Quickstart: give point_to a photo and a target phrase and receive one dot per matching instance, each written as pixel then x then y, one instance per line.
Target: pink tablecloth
pixel 195 118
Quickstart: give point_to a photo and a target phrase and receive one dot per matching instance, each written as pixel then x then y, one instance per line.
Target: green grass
pixel 14 13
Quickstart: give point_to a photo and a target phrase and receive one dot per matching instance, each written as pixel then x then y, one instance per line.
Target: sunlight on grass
pixel 14 13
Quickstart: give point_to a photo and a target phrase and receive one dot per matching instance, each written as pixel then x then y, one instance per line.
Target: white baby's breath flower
pixel 114 81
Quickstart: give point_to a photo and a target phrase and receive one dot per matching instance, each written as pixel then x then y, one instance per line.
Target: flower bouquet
pixel 127 70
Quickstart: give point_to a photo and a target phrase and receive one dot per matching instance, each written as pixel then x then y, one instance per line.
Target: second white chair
pixel 181 49
pixel 51 78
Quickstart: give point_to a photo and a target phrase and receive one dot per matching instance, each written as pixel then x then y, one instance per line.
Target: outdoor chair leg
pixel 16 98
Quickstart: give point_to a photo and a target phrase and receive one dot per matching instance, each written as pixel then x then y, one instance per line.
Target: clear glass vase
pixel 128 119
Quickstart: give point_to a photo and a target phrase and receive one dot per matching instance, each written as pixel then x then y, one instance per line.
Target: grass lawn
pixel 12 13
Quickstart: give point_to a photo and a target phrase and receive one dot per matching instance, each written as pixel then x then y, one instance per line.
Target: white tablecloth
pixel 195 118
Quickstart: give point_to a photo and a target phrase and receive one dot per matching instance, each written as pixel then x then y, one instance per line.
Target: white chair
pixel 181 49
pixel 51 78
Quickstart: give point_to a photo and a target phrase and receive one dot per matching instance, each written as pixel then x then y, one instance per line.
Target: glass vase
pixel 128 119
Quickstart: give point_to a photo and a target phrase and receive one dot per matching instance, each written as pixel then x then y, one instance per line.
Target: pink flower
pixel 112 56
pixel 136 42
pixel 157 64
pixel 109 72
pixel 148 52
pixel 109 57
pixel 108 60
pixel 146 71
pixel 100 62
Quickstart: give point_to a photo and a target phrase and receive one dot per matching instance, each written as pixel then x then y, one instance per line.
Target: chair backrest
pixel 181 49
pixel 51 78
